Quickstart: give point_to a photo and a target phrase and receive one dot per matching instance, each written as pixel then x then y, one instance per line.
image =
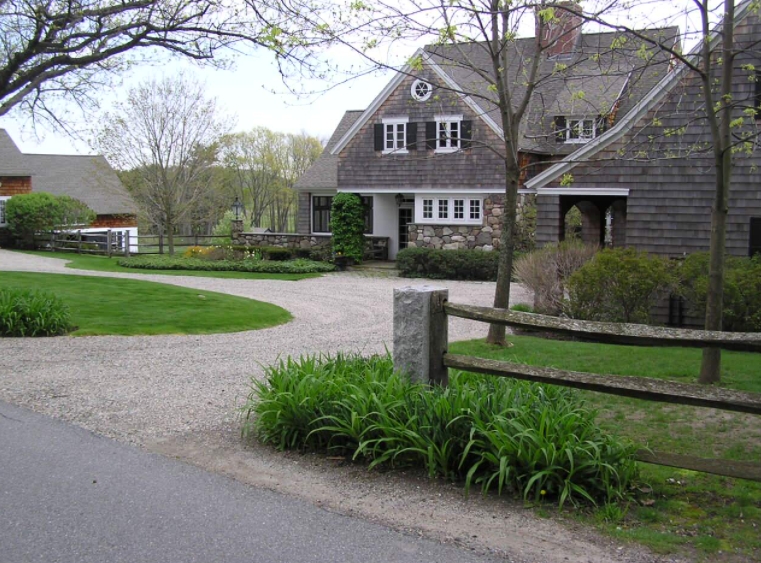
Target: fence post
pixel 421 333
pixel 108 242
pixel 126 243
pixel 79 242
pixel 161 243
pixel 52 241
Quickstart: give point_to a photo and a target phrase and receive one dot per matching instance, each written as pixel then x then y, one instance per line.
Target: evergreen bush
pixel 347 224
pixel 414 262
pixel 27 214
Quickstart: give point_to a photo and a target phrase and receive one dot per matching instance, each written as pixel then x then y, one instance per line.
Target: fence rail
pixel 421 341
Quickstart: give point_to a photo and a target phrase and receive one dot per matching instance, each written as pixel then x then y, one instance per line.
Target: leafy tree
pixel 167 133
pixel 347 223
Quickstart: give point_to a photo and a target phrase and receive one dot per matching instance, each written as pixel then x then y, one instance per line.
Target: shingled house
pixel 424 156
pixel 89 179
pixel 655 166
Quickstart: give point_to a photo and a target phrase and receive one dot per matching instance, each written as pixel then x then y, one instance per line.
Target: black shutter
pixel 467 134
pixel 559 126
pixel 412 136
pixel 755 236
pixel 379 136
pixel 430 135
pixel 602 124
pixel 757 97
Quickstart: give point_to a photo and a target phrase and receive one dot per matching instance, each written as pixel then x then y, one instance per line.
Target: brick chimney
pixel 561 36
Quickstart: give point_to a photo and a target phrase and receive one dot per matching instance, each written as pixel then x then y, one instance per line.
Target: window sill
pixel 578 141
pixel 395 151
pixel 446 150
pixel 451 222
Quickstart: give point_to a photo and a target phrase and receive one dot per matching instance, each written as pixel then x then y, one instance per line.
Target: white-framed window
pixel 475 209
pixel 448 132
pixel 580 130
pixel 443 209
pixel 421 90
pixel 3 217
pixel 427 209
pixel 448 210
pixel 395 135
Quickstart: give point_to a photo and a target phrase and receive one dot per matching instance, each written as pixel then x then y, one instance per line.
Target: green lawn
pixel 130 307
pixel 704 515
pixel 97 263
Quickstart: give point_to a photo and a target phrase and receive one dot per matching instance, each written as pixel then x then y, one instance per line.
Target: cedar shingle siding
pixel 669 203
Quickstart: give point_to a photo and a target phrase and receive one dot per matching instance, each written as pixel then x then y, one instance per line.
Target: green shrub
pixel 347 224
pixel 276 253
pixel 163 262
pixel 742 290
pixel 224 228
pixel 323 253
pixel 32 313
pixel 522 308
pixel 497 433
pixel 433 263
pixel 39 211
pixel 619 285
pixel 546 272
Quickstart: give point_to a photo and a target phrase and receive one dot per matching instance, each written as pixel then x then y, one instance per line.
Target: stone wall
pixel 285 240
pixel 453 237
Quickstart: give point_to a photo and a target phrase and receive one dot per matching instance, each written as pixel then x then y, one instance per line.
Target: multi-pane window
pixel 427 209
pixel 443 209
pixel 3 219
pixel 459 209
pixel 755 236
pixel 581 130
pixel 475 209
pixel 449 135
pixel 395 135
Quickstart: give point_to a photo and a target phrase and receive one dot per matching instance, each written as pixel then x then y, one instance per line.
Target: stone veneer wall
pixel 286 240
pixel 453 237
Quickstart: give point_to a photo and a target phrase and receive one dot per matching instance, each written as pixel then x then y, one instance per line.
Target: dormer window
pixel 577 129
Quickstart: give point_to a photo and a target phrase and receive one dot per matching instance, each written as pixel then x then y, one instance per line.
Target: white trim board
pixel 453 191
pixel 623 192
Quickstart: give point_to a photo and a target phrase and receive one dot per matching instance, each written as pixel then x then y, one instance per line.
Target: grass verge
pixel 102 306
pixel 705 516
pixel 97 263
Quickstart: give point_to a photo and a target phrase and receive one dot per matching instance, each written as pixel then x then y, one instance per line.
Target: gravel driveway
pixel 177 395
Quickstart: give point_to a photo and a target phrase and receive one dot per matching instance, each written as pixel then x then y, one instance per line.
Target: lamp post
pixel 236 225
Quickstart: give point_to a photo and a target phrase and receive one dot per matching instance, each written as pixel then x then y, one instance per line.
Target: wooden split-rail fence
pixel 421 349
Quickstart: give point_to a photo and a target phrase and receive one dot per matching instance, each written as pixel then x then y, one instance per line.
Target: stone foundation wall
pixel 285 240
pixel 453 237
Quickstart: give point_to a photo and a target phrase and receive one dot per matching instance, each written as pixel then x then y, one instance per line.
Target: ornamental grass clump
pixel 32 313
pixel 497 434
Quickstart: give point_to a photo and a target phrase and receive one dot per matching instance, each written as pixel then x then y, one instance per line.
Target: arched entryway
pixel 603 219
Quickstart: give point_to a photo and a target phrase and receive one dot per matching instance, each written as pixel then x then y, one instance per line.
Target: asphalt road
pixel 67 495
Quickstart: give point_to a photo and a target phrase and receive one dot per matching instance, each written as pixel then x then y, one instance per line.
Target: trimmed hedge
pixel 153 262
pixel 25 312
pixel 448 264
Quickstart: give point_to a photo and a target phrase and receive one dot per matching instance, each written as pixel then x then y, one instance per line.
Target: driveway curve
pixel 178 395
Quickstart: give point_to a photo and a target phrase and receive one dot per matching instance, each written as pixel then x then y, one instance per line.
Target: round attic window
pixel 421 91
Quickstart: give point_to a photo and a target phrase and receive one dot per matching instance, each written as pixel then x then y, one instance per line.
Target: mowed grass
pixel 101 306
pixel 704 516
pixel 98 263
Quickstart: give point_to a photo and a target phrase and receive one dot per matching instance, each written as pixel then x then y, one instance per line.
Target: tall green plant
pixel 347 223
pixel 32 313
pixel 39 211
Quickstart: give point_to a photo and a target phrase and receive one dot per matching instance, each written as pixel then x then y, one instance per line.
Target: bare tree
pixel 52 49
pixel 167 133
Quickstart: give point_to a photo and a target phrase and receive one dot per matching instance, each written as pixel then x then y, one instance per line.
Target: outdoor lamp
pixel 237 208
pixel 399 200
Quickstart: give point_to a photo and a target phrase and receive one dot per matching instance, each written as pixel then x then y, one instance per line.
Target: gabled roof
pixel 606 67
pixel 89 179
pixel 323 174
pixel 637 111
pixel 11 159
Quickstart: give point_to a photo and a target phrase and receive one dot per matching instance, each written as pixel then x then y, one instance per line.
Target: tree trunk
pixel 505 265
